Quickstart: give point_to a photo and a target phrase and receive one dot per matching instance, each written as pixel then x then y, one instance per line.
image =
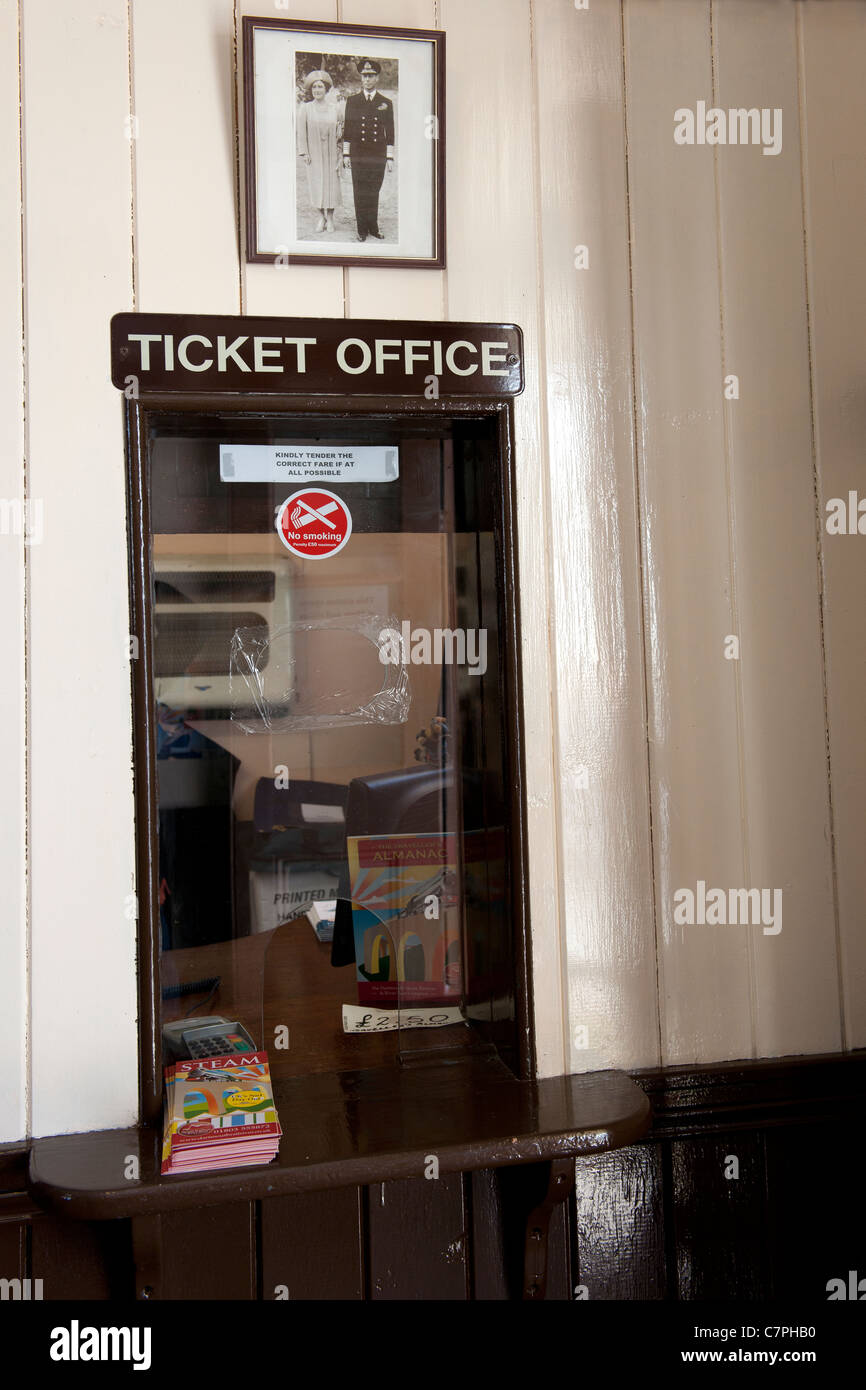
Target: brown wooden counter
pixel 355 1128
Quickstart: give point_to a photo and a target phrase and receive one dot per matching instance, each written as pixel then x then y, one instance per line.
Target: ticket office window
pixel 332 762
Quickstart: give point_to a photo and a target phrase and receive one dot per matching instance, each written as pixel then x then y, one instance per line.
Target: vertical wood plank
pixel 602 756
pixel 13 1250
pixel 82 1259
pixel 493 274
pixel 833 111
pixel 836 1241
pixel 77 246
pixel 777 609
pixel 489 1269
pixel 393 293
pixel 17 519
pixel 313 1245
pixel 559 1282
pixel 620 1224
pixel 293 290
pixel 417 1235
pixel 210 1252
pixel 186 222
pixel 146 1241
pixel 719 1222
pixel 704 974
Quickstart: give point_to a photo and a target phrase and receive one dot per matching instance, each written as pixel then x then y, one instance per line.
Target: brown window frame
pixel 137 413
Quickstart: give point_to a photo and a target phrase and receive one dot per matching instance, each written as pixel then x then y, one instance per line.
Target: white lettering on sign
pixel 268 463
pixel 230 350
pixel 183 353
pixel 451 363
pixel 354 356
pixel 267 348
pixel 343 363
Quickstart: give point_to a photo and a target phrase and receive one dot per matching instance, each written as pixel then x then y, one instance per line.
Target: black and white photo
pixel 344 146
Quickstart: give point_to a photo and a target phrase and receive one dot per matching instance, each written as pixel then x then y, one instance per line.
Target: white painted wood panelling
pixel 655 518
pixel 494 273
pixel 14 991
pixel 78 235
pixel 185 147
pixel 604 797
pixel 833 106
pixel 704 971
pixel 783 764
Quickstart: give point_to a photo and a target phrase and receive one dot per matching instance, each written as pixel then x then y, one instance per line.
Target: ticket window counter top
pixel 356 1128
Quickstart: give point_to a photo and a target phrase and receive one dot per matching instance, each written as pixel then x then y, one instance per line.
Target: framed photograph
pixel 345 144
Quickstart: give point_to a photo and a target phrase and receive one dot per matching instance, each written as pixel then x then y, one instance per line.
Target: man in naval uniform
pixel 368 146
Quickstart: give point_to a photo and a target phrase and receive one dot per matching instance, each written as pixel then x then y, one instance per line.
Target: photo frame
pixel 344 143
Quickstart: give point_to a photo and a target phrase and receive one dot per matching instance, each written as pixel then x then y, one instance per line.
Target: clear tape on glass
pixel 267 673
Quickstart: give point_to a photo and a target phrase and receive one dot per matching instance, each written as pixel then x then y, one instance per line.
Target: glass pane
pixel 311 1021
pixel 331 753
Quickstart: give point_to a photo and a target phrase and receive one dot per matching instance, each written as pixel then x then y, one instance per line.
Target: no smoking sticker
pixel 314 523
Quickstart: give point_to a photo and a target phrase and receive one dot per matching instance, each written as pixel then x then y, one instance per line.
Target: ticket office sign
pixel 195 354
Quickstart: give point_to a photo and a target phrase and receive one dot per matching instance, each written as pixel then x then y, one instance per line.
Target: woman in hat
pixel 319 133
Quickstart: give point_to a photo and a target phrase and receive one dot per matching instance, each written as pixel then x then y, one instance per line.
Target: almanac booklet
pixel 406 918
pixel 219 1112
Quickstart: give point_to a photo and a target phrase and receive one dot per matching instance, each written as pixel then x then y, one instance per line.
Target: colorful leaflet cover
pixel 406 918
pixel 219 1112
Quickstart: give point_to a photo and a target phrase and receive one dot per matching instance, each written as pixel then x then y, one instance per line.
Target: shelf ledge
pixel 354 1129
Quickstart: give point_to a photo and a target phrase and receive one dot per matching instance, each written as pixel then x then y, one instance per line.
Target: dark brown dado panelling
pixel 72 1259
pixel 460 1237
pixel 749 1186
pixel 457 1238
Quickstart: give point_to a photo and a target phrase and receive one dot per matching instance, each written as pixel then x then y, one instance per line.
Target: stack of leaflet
pixel 321 918
pixel 219 1112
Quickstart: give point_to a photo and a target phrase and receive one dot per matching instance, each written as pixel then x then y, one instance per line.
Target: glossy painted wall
pixel 693 647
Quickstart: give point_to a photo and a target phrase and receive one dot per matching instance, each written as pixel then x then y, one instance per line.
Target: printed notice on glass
pixel 307 463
